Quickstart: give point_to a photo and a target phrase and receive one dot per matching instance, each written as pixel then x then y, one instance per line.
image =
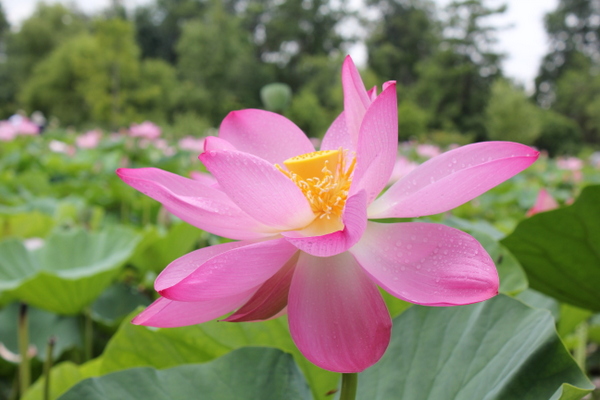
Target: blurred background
pixel 467 70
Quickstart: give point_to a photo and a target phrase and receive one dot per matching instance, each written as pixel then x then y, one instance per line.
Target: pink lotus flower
pixel 146 130
pixel 7 131
pixel 192 144
pixel 428 150
pixel 305 244
pixel 544 202
pixel 402 167
pixel 89 140
pixel 24 126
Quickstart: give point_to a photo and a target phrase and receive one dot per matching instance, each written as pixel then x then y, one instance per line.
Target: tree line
pixel 186 63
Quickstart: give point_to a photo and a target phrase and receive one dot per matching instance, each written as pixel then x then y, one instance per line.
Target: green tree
pixel 405 33
pixel 39 35
pixel 6 86
pixel 99 78
pixel 511 116
pixel 158 26
pixel 455 83
pixel 574 33
pixel 48 27
pixel 216 56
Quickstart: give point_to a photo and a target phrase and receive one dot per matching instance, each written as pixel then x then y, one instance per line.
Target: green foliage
pixel 99 76
pixel 455 82
pixel 42 325
pixel 276 96
pixel 205 342
pixel 412 121
pixel 559 251
pixel 248 373
pixel 577 96
pixel 215 54
pixel 559 135
pixel 49 26
pixel 499 349
pixel 307 113
pixel 68 272
pixel 510 116
pixel 573 31
pixel 405 33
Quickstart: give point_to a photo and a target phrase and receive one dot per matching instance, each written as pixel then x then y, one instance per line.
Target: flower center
pixel 324 179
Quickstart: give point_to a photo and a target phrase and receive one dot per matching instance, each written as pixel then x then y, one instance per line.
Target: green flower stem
pixel 24 369
pixel 48 366
pixel 349 384
pixel 580 352
pixel 88 336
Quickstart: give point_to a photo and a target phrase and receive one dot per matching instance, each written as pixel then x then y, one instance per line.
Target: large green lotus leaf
pixel 42 325
pixel 498 349
pixel 536 299
pixel 136 346
pixel 158 247
pixel 26 225
pixel 69 271
pixel 62 377
pixel 116 302
pixel 560 251
pixel 248 373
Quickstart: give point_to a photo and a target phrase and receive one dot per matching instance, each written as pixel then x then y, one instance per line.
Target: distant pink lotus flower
pixel 56 146
pixel 428 150
pixel 7 131
pixel 573 164
pixel 192 144
pixel 569 163
pixel 544 202
pixel 305 244
pixel 89 140
pixel 146 130
pixel 402 167
pixel 26 127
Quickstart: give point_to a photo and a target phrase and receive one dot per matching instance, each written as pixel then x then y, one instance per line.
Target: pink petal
pixel 544 202
pixel 377 145
pixel 259 189
pixel 223 270
pixel 372 94
pixel 356 99
pixel 337 135
pixel 453 178
pixel 336 314
pixel 429 264
pixel 204 178
pixel 196 203
pixel 355 222
pixel 165 313
pixel 270 299
pixel 216 143
pixel 267 135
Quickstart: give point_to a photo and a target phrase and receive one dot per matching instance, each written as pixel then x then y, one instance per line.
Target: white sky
pixel 525 42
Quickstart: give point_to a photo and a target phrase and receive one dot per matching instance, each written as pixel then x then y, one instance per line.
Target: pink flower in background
pixel 569 163
pixel 89 140
pixel 573 164
pixel 7 131
pixel 24 126
pixel 192 144
pixel 544 202
pixel 428 150
pixel 304 243
pixel 146 130
pixel 402 167
pixel 56 146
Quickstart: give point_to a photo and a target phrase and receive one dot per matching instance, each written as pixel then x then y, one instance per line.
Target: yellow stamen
pixel 325 179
